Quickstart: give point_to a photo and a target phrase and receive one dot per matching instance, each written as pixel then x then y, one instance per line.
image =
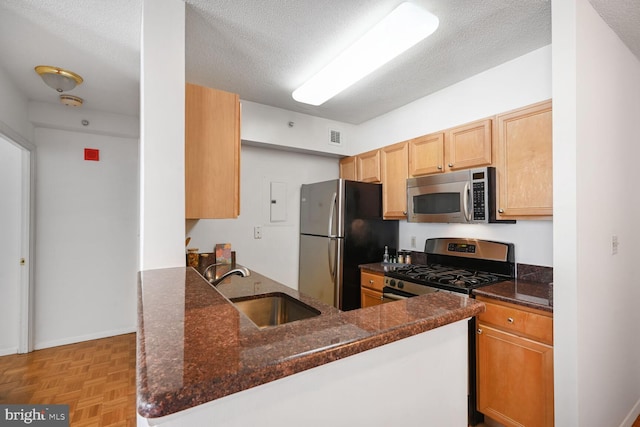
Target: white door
pixel 15 195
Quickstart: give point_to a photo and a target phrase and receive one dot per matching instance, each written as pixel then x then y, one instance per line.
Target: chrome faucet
pixel 213 280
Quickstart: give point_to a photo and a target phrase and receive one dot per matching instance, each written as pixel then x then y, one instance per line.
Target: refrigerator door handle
pixel 332 211
pixel 332 262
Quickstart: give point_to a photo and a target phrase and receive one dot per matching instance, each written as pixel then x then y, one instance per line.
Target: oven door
pixel 390 294
pixel 441 198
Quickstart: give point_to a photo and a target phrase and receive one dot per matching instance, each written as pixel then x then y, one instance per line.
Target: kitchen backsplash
pixel 534 273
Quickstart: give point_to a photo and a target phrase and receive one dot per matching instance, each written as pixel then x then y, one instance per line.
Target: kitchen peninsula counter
pixel 194 346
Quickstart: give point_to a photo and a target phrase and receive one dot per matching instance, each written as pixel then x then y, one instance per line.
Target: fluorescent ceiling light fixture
pixel 405 26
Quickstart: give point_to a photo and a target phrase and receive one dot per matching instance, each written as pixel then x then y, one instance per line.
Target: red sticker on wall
pixel 92 154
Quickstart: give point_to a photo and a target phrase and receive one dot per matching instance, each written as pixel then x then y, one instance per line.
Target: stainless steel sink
pixel 274 309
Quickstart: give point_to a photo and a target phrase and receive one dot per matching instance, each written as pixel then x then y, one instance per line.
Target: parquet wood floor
pixel 97 379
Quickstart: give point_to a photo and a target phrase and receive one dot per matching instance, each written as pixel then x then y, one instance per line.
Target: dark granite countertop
pixel 381 267
pixel 522 292
pixel 194 346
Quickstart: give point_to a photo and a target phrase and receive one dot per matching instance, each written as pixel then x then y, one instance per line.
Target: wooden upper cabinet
pixel 426 154
pixel 348 168
pixel 368 166
pixel 524 162
pixel 212 153
pixel 395 170
pixel 461 147
pixel 468 146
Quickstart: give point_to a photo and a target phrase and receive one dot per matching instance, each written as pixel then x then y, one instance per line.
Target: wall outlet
pixel 257 232
pixel 413 241
pixel 614 244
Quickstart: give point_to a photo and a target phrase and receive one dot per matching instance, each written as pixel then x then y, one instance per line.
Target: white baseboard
pixel 635 412
pixel 7 351
pixel 73 340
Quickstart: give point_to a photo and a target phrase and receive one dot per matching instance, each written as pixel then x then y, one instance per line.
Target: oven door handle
pixel 393 296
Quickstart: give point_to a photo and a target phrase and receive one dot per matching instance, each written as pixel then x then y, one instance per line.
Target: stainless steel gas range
pixel 453 265
pixel 459 266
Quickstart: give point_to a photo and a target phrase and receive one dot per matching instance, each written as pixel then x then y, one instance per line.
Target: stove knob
pixel 400 285
pixel 392 282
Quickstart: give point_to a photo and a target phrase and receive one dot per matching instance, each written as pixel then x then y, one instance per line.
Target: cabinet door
pixel 395 170
pixel 212 153
pixel 370 297
pixel 524 166
pixel 368 166
pixel 348 168
pixel 468 146
pixel 515 378
pixel 426 154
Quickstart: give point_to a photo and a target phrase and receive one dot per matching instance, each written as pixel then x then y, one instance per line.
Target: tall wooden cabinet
pixel 212 153
pixel 524 162
pixel 394 162
pixel 515 364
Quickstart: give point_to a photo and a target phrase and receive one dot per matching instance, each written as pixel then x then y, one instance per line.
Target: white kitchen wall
pixel 86 220
pixel 282 128
pixel 10 244
pixel 596 147
pixel 276 254
pixel 13 108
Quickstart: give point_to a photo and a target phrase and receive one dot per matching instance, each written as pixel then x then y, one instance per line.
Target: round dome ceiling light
pixel 70 100
pixel 58 78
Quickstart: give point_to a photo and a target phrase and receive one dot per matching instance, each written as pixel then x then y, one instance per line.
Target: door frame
pixel 27 237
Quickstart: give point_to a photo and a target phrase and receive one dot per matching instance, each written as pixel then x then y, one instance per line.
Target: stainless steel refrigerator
pixel 341 227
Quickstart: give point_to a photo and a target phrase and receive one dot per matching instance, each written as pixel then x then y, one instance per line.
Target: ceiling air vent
pixel 335 137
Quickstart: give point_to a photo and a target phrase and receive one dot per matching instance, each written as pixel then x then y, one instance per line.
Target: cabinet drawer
pixel 523 321
pixel 371 280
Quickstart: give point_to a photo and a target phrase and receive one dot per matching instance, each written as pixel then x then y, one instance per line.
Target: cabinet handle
pixel 440 167
pixel 500 210
pixel 371 281
pixel 479 331
pixel 404 213
pixel 450 165
pixel 510 320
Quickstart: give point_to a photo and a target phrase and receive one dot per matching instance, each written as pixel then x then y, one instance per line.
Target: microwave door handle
pixel 466 210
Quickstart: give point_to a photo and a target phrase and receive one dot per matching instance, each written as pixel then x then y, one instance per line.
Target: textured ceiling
pixel 263 50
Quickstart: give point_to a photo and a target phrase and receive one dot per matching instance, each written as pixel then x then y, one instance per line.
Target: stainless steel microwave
pixel 466 196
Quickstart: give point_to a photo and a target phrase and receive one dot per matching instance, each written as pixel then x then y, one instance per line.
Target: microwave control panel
pixel 480 202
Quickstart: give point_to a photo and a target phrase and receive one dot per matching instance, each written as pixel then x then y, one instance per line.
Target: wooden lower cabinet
pixel 371 284
pixel 515 365
pixel 369 297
